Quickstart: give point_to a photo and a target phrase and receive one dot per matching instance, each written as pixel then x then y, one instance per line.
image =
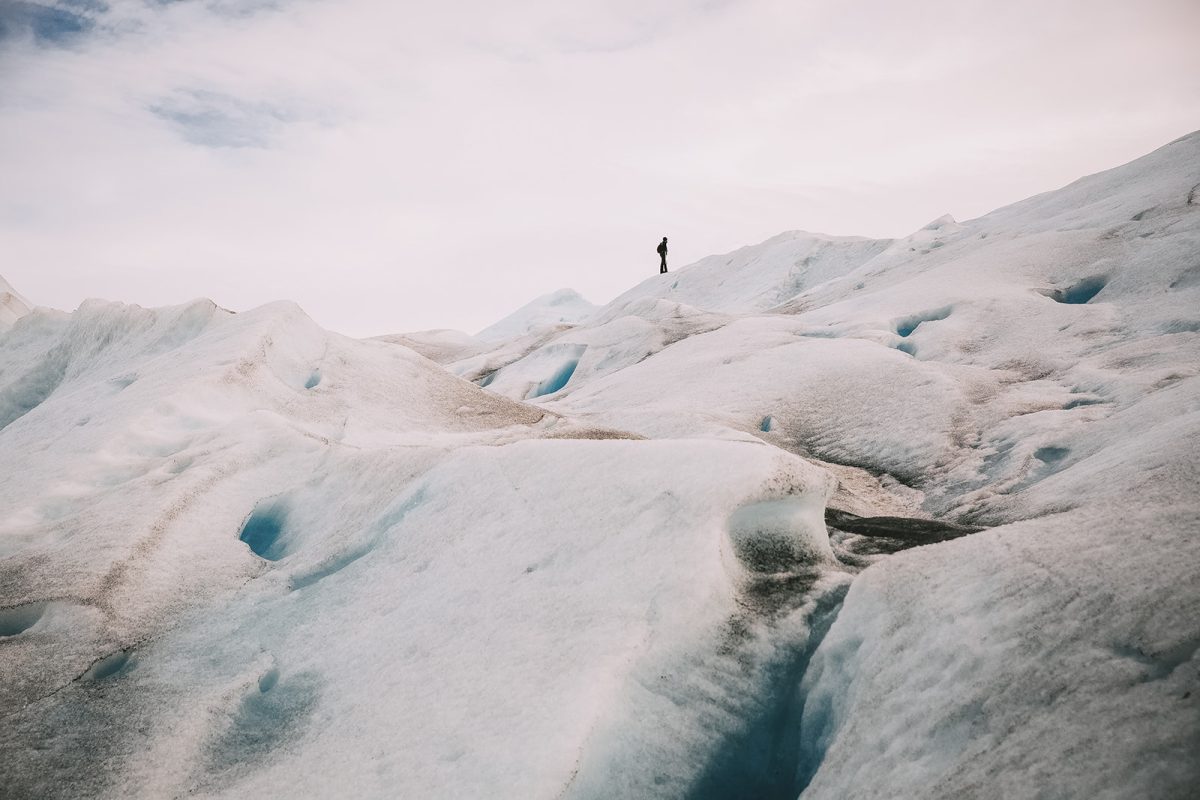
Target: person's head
pixel 664 238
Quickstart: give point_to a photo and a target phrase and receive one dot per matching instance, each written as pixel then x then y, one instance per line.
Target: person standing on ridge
pixel 662 253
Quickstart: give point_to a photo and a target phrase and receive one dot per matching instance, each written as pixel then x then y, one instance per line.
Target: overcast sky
pixel 396 165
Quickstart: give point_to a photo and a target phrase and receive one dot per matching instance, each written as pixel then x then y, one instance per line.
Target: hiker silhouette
pixel 662 253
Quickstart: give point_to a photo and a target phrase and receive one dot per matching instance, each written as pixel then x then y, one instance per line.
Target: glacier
pixel 824 517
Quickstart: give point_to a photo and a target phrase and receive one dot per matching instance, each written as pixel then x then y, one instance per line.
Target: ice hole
pixel 1051 455
pixel 313 379
pixel 268 680
pixel 1083 291
pixel 108 666
pixel 20 619
pixel 263 530
pixel 906 326
pixel 767 425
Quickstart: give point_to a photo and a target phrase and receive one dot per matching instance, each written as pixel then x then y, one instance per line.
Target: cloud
pixel 212 119
pixel 48 23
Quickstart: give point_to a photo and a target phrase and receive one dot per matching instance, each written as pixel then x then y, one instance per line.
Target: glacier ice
pixel 825 517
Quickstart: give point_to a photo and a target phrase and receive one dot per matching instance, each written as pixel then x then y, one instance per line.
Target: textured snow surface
pixel 585 555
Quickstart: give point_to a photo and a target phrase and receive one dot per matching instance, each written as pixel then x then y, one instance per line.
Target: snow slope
pixel 615 555
pixel 12 305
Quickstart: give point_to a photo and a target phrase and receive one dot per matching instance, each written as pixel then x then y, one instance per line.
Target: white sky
pixel 402 165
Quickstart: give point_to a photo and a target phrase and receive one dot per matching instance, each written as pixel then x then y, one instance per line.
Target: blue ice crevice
pixel 566 362
pixel 263 531
pixel 719 717
pixel 767 758
pixel 824 686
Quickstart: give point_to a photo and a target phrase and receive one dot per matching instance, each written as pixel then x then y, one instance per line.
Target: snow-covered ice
pixel 595 552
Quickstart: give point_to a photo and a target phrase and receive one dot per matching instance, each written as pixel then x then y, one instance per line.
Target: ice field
pixel 825 517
